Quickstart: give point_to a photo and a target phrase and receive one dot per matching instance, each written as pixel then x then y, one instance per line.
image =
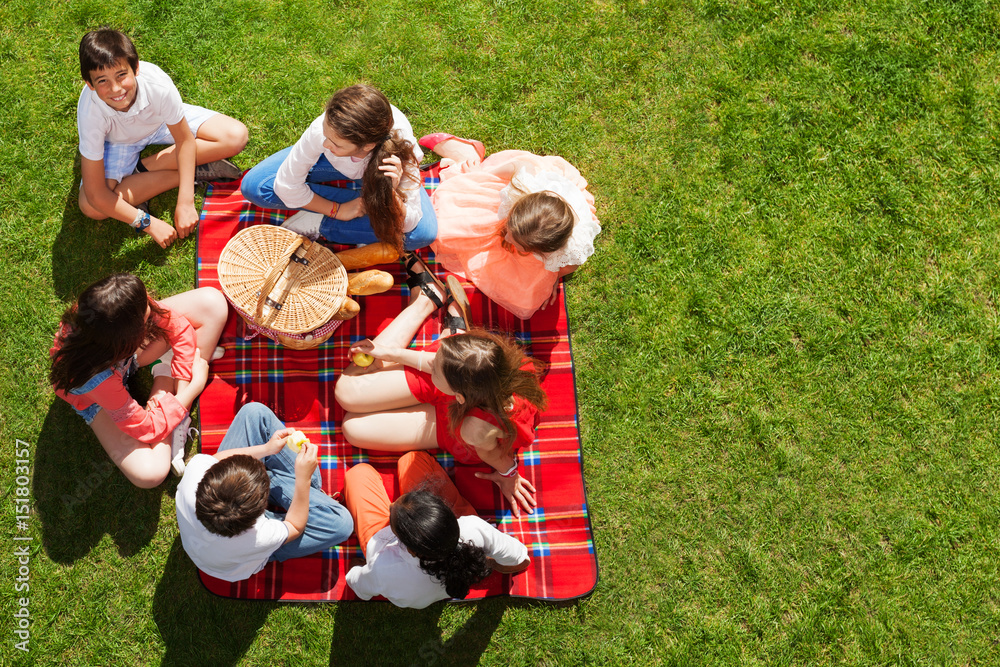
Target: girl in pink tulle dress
pixel 512 224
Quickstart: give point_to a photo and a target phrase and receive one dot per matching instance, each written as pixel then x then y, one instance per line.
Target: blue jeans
pixel 258 188
pixel 329 522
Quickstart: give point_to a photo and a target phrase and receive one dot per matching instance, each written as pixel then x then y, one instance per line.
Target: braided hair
pixel 426 526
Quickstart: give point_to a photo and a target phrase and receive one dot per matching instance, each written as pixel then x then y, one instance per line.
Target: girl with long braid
pixel 360 136
pixel 428 545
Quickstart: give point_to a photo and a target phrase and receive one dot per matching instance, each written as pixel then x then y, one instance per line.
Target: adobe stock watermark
pixel 22 546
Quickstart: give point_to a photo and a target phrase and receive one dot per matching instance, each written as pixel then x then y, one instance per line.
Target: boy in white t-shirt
pixel 127 105
pixel 222 500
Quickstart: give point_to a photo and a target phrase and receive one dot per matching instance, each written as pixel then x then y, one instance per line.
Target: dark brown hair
pixel 106 325
pixel 362 115
pixel 487 370
pixel 232 495
pixel 425 525
pixel 104 48
pixel 539 222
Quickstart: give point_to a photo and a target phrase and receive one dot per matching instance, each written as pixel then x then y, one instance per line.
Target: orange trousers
pixel 368 502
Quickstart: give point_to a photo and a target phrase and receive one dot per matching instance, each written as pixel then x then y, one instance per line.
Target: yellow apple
pixel 296 440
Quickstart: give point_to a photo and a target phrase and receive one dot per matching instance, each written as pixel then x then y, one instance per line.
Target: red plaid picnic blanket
pixel 298 387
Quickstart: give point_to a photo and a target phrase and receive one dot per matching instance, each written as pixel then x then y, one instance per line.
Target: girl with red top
pixel 116 327
pixel 472 393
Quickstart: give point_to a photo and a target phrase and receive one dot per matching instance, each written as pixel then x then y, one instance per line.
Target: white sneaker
pixel 177 465
pixel 178 440
pixel 305 223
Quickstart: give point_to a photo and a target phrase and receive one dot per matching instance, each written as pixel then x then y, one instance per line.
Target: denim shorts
pixel 120 159
pixel 127 367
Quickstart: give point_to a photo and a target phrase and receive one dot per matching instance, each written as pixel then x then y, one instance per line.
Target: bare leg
pixel 207 310
pixel 218 137
pixel 459 151
pixel 399 430
pixel 144 465
pixel 134 189
pixel 378 387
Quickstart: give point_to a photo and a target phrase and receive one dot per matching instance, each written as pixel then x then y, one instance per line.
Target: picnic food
pixel 368 282
pixel 369 255
pixel 362 359
pixel 296 440
pixel 350 308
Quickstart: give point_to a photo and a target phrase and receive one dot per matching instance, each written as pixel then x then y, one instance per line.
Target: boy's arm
pixel 185 215
pixel 272 446
pixel 112 205
pixel 298 513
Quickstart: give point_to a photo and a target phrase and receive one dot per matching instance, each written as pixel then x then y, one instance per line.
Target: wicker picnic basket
pixel 285 286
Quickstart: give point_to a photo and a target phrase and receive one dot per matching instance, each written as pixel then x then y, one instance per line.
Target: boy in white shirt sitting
pixel 127 105
pixel 222 501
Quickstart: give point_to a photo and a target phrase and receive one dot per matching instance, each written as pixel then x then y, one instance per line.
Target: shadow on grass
pixel 379 633
pixel 200 628
pixel 81 495
pixel 87 250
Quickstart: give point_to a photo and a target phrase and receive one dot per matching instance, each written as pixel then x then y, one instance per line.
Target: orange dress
pixel 471 204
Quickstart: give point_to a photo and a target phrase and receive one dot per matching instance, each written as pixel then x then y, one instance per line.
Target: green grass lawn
pixel 786 344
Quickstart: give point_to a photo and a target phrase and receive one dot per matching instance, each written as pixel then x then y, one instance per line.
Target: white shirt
pixel 290 181
pixel 580 244
pixel 396 575
pixel 156 102
pixel 228 558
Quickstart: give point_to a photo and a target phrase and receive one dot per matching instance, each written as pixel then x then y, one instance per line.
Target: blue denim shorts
pixel 127 367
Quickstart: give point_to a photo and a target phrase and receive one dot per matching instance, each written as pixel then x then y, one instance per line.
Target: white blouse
pixel 290 181
pixel 580 245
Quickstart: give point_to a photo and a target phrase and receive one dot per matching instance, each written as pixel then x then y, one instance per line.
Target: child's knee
pixel 346 393
pixel 422 236
pixel 235 136
pixel 410 459
pixel 354 476
pixel 148 477
pixel 215 303
pixel 349 426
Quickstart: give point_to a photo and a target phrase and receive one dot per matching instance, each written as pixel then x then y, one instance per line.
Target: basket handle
pixel 275 272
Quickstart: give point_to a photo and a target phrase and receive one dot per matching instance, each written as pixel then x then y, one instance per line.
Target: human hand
pixel 351 209
pixel 368 346
pixel 277 441
pixel 199 370
pixel 552 297
pixel 161 232
pixel 393 168
pixel 307 461
pixel 518 491
pixel 185 219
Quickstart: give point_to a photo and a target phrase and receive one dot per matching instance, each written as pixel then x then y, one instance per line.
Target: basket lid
pixel 305 282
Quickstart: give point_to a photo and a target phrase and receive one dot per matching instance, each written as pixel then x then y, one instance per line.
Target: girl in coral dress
pixel 513 224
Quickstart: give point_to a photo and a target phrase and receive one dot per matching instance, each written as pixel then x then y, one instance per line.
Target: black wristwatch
pixel 141 222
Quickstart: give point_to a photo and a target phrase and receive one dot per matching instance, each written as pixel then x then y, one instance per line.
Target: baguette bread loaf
pixel 349 309
pixel 369 255
pixel 368 282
